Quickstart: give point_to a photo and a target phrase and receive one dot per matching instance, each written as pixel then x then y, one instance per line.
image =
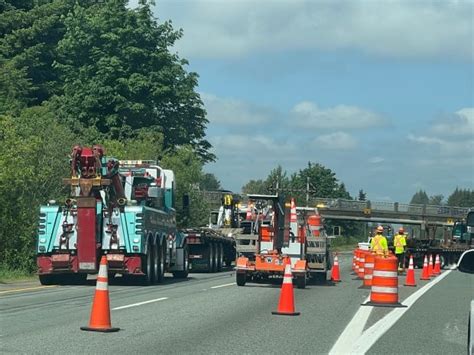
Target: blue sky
pixel 381 92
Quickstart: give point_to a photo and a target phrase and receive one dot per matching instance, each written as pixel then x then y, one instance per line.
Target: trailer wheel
pixel 220 256
pixel 184 273
pixel 147 266
pixel 301 281
pixel 210 257
pixel 216 257
pixel 241 279
pixel 48 279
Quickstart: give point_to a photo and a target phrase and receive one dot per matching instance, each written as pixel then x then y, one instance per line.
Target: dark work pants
pixel 401 260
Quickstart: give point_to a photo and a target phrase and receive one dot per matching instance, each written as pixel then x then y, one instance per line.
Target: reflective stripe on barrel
pixel 368 269
pixel 385 281
pixel 360 270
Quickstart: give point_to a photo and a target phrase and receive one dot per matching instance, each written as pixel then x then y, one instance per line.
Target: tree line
pixel 459 197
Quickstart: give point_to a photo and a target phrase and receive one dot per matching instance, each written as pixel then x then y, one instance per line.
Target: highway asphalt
pixel 208 313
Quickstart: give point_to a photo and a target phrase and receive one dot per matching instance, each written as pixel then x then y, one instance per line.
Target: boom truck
pixel 123 210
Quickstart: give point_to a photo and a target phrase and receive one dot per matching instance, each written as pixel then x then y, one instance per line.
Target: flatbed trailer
pixel 209 250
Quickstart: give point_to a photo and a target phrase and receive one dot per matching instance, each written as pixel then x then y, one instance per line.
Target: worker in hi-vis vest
pixel 399 242
pixel 378 244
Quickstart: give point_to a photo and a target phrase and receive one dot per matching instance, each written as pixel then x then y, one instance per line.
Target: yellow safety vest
pixel 399 243
pixel 378 245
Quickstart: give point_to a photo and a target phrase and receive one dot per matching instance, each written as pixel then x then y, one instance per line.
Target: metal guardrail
pixel 369 207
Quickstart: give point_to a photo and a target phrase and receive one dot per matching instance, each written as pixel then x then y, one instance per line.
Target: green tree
pixel 255 187
pixel 420 198
pixel 362 195
pixel 209 182
pixel 119 76
pixel 436 200
pixel 461 198
pixel 188 174
pixel 34 159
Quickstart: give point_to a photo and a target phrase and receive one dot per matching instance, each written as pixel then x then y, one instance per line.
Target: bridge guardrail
pixel 383 206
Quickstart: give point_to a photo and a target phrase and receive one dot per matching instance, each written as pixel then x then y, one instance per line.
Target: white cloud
pixel 453 147
pixel 376 160
pixel 309 115
pixel 336 141
pixel 234 112
pixel 389 28
pixel 461 123
pixel 247 146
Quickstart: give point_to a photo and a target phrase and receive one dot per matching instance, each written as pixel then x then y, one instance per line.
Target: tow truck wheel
pixel 48 279
pixel 241 279
pixel 147 266
pixel 301 281
pixel 156 262
pixel 161 262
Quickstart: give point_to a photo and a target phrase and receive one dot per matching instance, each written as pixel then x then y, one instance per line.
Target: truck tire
pixel 184 273
pixel 210 257
pixel 161 262
pixel 216 257
pixel 241 279
pixel 220 257
pixel 301 281
pixel 147 266
pixel 157 261
pixel 48 279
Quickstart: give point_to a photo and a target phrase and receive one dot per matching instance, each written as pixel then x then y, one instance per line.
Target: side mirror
pixel 466 262
pixel 153 192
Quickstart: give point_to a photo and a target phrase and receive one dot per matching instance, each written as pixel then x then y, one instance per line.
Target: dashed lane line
pixel 139 303
pixel 225 285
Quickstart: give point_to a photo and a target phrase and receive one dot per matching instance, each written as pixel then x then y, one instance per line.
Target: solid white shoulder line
pixel 371 335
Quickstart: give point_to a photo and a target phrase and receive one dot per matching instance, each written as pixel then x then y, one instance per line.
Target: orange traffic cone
pixel 354 261
pixel 410 279
pixel 335 276
pixel 286 306
pixel 425 274
pixel 430 266
pixel 100 314
pixel 437 267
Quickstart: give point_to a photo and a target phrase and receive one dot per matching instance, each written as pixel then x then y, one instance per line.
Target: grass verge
pixel 9 275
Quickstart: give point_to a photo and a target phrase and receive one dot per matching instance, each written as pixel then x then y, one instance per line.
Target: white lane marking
pixel 352 331
pixel 225 285
pixel 371 335
pixel 139 303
